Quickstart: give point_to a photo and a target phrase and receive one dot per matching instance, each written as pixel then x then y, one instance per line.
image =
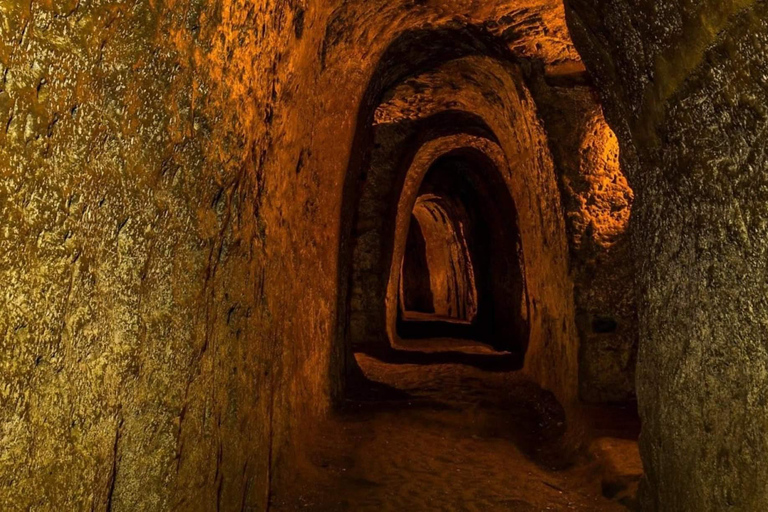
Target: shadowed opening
pixel 437 280
pixel 465 280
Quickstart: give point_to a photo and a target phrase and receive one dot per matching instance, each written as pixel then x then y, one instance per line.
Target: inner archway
pixel 437 280
pixel 473 253
pixel 477 103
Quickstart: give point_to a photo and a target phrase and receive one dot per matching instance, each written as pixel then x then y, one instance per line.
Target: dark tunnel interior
pixel 471 258
pixel 382 255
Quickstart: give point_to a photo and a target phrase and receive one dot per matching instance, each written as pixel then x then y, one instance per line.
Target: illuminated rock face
pixel 442 225
pixel 685 89
pixel 597 202
pixel 139 360
pixel 193 198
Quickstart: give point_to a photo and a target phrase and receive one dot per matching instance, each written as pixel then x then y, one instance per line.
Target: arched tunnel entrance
pixel 456 267
pixel 472 258
pixel 437 280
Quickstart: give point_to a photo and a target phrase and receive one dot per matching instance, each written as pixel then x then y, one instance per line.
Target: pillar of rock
pixel 685 88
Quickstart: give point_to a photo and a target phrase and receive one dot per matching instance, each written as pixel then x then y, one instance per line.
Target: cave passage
pixel 469 208
pixel 462 275
pixel 437 280
pixel 383 255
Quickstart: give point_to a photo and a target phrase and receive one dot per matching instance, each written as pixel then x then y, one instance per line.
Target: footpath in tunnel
pixel 456 437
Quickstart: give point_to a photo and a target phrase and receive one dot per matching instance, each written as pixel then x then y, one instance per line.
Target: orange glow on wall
pixel 606 199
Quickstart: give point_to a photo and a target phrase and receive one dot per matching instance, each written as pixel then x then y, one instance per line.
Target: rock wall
pixel 173 178
pixel 142 365
pixel 597 204
pixel 685 88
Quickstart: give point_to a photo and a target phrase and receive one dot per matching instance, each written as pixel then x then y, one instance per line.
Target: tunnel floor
pixel 424 437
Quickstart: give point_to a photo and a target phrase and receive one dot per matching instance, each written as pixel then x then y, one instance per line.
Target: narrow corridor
pixel 383 255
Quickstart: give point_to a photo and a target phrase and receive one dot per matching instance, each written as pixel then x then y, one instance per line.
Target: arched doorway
pixel 490 109
pixel 437 277
pixel 475 269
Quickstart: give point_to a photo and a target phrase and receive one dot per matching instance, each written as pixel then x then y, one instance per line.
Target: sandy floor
pixel 449 437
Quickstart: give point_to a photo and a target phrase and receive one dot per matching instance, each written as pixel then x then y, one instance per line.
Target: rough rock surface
pixel 172 188
pixel 141 364
pixel 686 87
pixel 597 201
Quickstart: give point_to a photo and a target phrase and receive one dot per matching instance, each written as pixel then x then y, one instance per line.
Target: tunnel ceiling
pixel 531 29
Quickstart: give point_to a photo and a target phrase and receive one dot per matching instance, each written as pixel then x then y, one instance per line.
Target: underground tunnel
pixel 470 248
pixel 383 255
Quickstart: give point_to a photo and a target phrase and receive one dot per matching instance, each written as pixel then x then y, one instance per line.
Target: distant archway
pixel 492 111
pixel 465 187
pixel 437 278
pixel 409 54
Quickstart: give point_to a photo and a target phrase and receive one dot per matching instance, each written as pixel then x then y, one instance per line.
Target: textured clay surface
pixel 686 87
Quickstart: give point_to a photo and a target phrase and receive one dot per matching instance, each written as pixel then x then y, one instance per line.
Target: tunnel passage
pixel 450 135
pixel 450 125
pixel 475 271
pixel 215 171
pixel 437 280
pixel 472 95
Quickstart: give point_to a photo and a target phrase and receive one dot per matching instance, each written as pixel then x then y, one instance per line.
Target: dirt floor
pixel 451 437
